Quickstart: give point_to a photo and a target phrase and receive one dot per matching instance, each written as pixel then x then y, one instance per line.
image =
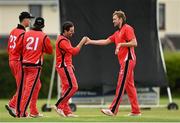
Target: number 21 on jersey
pixel 32 43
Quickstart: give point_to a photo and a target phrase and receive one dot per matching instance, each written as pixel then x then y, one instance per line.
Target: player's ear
pixel 65 31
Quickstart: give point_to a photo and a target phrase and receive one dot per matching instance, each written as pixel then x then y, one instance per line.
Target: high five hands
pixel 86 40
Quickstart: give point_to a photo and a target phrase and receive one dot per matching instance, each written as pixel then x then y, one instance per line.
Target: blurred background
pixel 169 24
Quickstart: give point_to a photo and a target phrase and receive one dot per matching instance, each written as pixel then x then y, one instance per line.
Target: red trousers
pixel 16 70
pixel 68 88
pixel 126 82
pixel 31 86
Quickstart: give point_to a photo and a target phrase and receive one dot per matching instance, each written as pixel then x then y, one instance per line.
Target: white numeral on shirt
pixel 31 45
pixel 13 40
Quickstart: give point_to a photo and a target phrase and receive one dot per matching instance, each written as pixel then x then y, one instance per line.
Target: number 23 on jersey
pixel 12 41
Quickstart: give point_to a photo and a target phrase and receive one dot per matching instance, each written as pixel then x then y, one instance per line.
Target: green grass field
pixel 94 115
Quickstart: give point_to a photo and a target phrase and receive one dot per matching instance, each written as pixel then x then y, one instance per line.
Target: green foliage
pixel 8 85
pixel 172 60
pixel 46 77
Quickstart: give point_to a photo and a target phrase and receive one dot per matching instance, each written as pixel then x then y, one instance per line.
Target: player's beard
pixel 70 35
pixel 116 24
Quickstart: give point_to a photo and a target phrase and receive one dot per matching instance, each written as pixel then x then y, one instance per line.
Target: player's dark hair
pixel 39 23
pixel 66 26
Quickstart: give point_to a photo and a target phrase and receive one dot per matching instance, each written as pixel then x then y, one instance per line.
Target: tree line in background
pixel 8 86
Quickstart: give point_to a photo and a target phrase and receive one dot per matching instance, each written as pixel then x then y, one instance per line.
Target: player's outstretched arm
pixel 98 42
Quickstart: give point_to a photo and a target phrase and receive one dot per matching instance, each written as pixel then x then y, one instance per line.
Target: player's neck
pixel 23 25
pixel 65 35
pixel 120 26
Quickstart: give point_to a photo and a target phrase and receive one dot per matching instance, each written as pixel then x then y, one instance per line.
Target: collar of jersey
pixel 19 26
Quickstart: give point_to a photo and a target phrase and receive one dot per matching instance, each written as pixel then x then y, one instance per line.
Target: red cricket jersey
pixel 14 42
pixel 35 43
pixel 125 34
pixel 64 51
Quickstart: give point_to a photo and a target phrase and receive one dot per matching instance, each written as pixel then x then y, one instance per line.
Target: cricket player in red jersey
pixel 35 44
pixel 125 41
pixel 65 69
pixel 15 57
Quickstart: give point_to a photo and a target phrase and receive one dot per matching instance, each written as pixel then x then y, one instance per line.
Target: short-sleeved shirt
pixel 123 35
pixel 64 51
